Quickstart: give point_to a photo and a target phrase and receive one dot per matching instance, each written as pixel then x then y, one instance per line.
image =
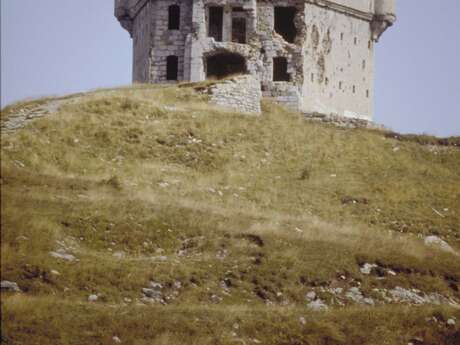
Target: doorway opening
pixel 172 66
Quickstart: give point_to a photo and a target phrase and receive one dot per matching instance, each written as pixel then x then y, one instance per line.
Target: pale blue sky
pixel 54 47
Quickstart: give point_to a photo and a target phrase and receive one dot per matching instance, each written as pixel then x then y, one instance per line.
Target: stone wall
pixel 142 32
pixel 284 93
pixel 339 67
pixel 241 93
pixel 169 42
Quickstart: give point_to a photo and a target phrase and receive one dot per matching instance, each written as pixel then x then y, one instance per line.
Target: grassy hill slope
pixel 193 224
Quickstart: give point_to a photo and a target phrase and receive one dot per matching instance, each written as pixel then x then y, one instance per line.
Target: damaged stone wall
pixel 316 56
pixel 241 93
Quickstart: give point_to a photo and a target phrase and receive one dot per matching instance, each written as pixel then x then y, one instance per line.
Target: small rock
pixel 302 320
pixel 119 254
pixel 92 298
pixel 151 293
pixel 156 285
pixel 9 286
pixel 451 322
pixel 116 340
pixel 127 300
pixel 435 241
pixel 367 268
pixel 63 256
pixel 369 301
pixel 310 295
pixel 317 305
pixel 54 272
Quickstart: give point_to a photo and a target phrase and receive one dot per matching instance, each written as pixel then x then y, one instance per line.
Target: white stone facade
pixel 316 56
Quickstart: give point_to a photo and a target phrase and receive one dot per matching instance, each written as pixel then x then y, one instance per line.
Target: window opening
pixel 280 69
pixel 239 30
pixel 173 17
pixel 284 23
pixel 216 19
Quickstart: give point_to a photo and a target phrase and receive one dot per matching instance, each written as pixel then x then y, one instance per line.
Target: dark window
pixel 216 16
pixel 172 64
pixel 280 69
pixel 284 23
pixel 239 30
pixel 224 64
pixel 173 17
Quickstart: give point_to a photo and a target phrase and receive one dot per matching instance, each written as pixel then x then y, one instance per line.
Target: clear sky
pixel 54 47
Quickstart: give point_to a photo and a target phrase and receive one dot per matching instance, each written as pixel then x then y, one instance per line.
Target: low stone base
pixel 345 122
pixel 240 93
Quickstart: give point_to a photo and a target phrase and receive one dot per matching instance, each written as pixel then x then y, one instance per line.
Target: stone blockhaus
pixel 316 56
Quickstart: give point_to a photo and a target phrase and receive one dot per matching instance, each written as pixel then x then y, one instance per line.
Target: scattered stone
pixel 54 272
pixel 92 298
pixel 302 320
pixel 119 254
pixel 435 241
pixel 170 108
pixel 367 268
pixel 155 285
pixel 451 322
pixel 9 286
pixel 356 296
pixel 60 254
pixel 310 295
pixel 116 340
pixel 400 294
pixel 163 184
pixel 317 305
pixel 152 293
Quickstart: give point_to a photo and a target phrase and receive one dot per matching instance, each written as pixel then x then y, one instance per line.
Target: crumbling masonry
pixel 316 56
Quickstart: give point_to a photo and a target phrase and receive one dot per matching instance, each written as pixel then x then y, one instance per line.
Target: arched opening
pixel 280 67
pixel 222 65
pixel 174 17
pixel 172 64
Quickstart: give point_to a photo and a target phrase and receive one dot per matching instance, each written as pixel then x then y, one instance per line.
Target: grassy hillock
pixel 186 223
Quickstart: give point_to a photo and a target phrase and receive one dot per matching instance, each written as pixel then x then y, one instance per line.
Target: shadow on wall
pixel 221 65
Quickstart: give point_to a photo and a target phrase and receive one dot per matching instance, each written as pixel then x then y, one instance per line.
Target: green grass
pixel 272 207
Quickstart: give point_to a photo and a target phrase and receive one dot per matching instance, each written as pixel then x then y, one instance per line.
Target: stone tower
pixel 316 56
